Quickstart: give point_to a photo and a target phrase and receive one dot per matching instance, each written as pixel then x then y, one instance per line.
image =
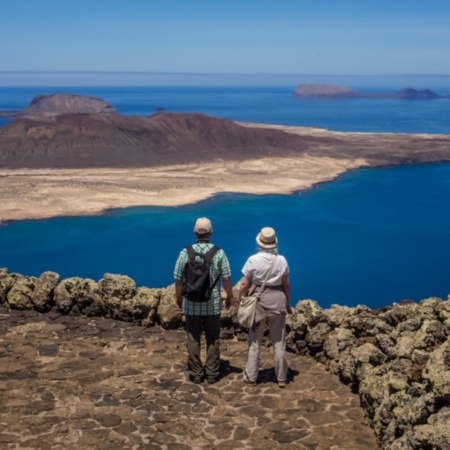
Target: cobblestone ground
pixel 78 382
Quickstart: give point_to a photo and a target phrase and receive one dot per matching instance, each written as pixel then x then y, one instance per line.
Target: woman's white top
pixel 257 266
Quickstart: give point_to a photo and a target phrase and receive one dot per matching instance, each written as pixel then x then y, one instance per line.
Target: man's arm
pixel 228 286
pixel 246 283
pixel 178 275
pixel 178 296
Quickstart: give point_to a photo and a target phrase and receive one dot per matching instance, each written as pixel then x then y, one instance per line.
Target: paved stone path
pixel 94 383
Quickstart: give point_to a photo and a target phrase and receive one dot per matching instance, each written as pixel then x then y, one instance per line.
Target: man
pixel 203 316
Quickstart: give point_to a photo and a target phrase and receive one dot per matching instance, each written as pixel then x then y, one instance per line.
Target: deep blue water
pixel 373 237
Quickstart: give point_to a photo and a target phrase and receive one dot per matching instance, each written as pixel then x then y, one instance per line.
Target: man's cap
pixel 203 226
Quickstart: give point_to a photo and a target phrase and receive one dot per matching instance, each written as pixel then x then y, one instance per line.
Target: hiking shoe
pixel 248 381
pixel 196 380
pixel 282 384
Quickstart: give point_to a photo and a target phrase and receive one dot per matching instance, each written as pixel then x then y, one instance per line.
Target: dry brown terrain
pixel 40 192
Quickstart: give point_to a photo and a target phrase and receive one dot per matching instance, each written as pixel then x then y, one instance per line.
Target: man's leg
pixel 194 329
pixel 212 334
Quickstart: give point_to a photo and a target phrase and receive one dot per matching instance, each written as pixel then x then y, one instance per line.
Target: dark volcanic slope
pixel 112 140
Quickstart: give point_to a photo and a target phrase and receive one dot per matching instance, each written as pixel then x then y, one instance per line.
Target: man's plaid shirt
pixel 219 265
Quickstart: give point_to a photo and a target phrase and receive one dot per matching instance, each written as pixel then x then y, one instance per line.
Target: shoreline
pixel 29 194
pixel 42 194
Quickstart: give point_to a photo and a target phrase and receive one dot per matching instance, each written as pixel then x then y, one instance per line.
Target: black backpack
pixel 196 280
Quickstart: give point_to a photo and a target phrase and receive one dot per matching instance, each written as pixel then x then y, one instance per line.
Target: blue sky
pixel 329 37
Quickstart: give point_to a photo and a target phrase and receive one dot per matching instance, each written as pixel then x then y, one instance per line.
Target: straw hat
pixel 267 238
pixel 203 226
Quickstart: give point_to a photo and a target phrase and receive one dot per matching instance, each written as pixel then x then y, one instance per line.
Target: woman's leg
pixel 277 333
pixel 254 349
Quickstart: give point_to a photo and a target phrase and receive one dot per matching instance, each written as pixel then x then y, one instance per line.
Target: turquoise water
pixel 374 237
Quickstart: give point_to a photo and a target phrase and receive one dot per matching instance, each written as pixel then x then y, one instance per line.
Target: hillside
pixel 112 140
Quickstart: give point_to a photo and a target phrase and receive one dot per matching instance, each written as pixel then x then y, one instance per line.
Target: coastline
pixel 38 194
pixel 45 193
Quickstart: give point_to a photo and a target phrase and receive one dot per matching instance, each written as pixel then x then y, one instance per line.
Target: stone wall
pixel 397 359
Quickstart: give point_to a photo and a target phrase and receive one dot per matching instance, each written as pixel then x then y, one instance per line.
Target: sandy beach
pixel 44 193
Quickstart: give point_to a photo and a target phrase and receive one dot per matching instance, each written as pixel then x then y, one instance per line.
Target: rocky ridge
pixel 396 359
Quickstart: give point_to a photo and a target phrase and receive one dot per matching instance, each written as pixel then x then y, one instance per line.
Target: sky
pixel 327 37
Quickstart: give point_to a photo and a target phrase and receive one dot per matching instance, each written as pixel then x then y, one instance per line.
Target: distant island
pixel 333 91
pixel 56 104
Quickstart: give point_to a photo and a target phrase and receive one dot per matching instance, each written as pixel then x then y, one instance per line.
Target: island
pixel 90 159
pixel 333 91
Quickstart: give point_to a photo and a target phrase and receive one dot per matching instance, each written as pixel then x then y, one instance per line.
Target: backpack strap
pixel 191 252
pixel 208 256
pixel 268 273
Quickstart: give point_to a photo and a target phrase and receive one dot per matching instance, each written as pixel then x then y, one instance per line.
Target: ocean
pixel 373 237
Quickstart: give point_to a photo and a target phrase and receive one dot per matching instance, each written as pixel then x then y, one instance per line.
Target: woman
pixel 272 307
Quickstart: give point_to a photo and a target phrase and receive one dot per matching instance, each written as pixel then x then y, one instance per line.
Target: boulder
pixel 146 303
pixel 434 434
pixel 118 286
pixel 7 281
pixel 115 290
pixel 311 310
pixel 437 372
pixel 65 294
pixel 336 315
pixel 338 340
pixel 369 353
pixel 141 309
pixel 366 323
pixel 43 292
pixel 316 337
pixel 398 313
pixel 373 388
pixel 444 310
pixel 429 308
pixel 168 314
pixel 431 334
pixel 21 293
pixel 89 299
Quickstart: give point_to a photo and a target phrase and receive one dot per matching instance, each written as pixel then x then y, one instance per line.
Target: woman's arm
pixel 287 291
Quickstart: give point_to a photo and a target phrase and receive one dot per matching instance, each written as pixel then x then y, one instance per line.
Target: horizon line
pixel 119 72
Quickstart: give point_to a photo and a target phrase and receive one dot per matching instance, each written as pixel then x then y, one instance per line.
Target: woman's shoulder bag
pixel 247 307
